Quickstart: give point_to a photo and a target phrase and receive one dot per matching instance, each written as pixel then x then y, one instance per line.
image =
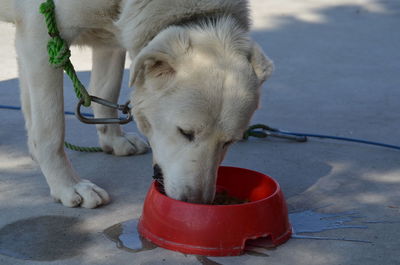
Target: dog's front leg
pixel 43 108
pixel 106 77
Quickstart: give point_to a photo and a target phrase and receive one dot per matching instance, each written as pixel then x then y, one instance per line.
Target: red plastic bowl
pixel 218 230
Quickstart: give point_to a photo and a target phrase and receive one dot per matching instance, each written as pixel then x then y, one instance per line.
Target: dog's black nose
pixel 158 174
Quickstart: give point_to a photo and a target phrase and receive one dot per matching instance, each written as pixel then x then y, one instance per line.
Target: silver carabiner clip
pixel 125 109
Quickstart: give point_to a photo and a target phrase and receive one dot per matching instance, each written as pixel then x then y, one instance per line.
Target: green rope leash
pixel 82 148
pixel 257 131
pixel 264 131
pixel 59 52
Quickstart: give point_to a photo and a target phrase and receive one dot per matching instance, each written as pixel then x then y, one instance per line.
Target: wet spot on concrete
pixel 43 238
pixel 126 236
pixel 310 221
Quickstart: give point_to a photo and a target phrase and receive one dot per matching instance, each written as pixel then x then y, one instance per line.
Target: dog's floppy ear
pixel 159 59
pixel 150 65
pixel 262 65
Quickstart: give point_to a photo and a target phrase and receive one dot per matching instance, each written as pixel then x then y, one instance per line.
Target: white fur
pixel 210 88
pixel 203 77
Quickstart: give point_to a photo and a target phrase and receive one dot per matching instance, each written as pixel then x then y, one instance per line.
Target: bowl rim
pixel 276 191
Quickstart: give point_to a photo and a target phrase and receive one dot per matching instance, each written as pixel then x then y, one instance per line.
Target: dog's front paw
pixel 127 144
pixel 84 194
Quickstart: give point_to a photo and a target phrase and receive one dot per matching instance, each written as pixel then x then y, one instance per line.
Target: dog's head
pixel 196 91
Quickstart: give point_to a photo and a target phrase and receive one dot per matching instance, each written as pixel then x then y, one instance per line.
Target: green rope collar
pixel 59 52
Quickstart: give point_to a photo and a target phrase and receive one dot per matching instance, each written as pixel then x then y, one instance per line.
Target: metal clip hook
pixel 125 109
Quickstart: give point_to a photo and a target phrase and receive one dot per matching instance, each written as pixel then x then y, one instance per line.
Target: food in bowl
pixel 223 198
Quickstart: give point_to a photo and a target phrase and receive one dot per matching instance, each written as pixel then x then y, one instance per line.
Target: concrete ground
pixel 337 72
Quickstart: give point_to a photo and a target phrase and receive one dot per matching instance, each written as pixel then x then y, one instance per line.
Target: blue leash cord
pixel 66 112
pixel 263 131
pixel 340 139
pixel 66 144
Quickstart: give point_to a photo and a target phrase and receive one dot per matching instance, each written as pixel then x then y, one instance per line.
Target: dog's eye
pixel 226 144
pixel 189 135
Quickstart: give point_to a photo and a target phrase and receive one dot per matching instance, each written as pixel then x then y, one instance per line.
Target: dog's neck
pixel 141 20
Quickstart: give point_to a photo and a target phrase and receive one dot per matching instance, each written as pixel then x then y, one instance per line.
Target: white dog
pixel 197 77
